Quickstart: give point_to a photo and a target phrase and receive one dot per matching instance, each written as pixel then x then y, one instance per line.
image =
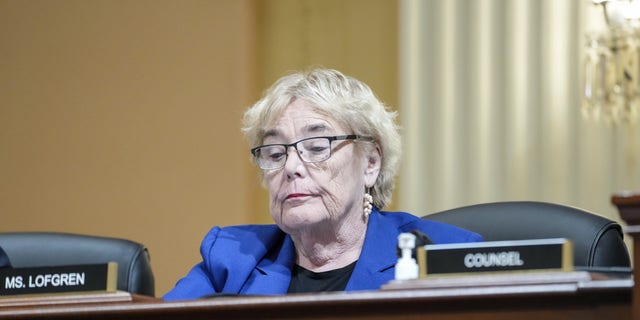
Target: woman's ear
pixel 372 168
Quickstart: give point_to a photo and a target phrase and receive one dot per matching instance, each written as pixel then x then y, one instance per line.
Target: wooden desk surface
pixel 554 299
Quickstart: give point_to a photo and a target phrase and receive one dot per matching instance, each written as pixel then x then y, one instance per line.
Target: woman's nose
pixel 293 164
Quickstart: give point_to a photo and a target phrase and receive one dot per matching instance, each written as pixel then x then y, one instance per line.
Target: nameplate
pixel 496 256
pixel 61 279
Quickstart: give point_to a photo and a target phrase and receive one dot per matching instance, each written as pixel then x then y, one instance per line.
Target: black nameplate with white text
pixel 496 256
pixel 60 279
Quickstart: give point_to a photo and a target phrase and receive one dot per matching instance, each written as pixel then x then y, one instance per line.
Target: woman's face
pixel 303 195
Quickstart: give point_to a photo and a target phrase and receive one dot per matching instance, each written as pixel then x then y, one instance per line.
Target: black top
pixel 303 280
pixel 4 259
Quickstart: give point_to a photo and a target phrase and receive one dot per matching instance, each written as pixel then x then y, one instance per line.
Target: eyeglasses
pixel 316 149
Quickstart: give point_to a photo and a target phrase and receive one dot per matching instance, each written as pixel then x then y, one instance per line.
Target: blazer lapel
pixel 375 266
pixel 273 273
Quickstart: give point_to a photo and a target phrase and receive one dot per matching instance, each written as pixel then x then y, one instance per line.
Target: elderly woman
pixel 329 151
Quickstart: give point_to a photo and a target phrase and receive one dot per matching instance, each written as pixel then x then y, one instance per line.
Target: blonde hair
pixel 346 100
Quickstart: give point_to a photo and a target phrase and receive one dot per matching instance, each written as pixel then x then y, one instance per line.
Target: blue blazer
pixel 258 259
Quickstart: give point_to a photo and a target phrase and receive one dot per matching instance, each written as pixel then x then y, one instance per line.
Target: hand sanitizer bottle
pixel 406 267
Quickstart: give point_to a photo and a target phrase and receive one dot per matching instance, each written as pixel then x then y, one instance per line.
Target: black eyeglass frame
pixel 294 145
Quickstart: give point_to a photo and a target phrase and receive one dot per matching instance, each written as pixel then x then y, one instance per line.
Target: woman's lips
pixel 297 199
pixel 296 196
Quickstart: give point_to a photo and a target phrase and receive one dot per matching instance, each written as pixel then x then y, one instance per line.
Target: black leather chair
pixel 598 242
pixel 41 249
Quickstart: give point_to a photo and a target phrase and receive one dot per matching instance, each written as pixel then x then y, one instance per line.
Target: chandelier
pixel 612 64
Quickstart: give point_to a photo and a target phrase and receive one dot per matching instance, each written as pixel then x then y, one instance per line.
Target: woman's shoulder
pixel 437 231
pixel 242 233
pixel 226 247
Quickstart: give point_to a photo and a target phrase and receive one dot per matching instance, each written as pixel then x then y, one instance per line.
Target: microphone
pixel 421 238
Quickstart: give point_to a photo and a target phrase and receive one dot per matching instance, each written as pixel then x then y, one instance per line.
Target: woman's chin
pixel 294 220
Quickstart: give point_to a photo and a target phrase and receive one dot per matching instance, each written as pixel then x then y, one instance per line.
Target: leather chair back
pixel 42 249
pixel 597 241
